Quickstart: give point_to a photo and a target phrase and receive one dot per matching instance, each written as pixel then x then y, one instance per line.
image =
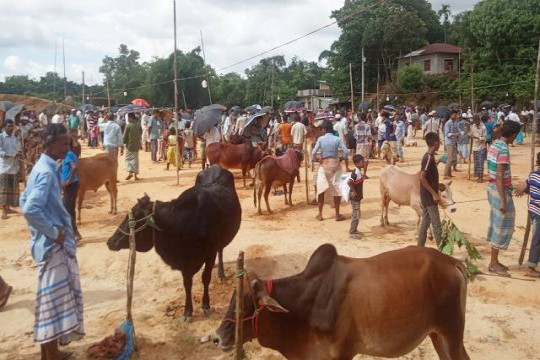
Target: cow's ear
pixel 442 187
pixel 271 304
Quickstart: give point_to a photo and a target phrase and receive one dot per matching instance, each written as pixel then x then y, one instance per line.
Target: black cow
pixel 189 231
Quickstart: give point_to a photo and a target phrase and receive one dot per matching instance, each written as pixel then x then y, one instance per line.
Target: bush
pixel 411 78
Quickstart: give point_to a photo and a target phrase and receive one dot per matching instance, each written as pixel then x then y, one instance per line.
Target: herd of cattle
pixel 337 307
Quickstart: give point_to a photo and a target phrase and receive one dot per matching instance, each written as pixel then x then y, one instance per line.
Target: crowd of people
pixel 359 136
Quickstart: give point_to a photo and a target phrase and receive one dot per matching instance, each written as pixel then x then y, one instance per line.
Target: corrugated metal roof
pixel 436 48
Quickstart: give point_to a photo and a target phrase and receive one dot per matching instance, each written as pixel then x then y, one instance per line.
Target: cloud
pixel 233 30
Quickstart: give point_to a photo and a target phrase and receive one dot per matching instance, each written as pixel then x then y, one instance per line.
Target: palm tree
pixel 445 13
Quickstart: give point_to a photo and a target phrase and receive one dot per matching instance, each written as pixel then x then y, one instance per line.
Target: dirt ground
pixel 502 314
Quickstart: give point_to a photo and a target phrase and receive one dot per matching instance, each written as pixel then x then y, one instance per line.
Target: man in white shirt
pixel 513 116
pixel 239 126
pixel 298 132
pixel 432 124
pixel 43 120
pixel 57 118
pixel 212 136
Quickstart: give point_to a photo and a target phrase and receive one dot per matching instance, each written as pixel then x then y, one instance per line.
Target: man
pixel 298 132
pixel 57 118
pixel 400 135
pixel 285 137
pixel 145 122
pixel 329 173
pixel 112 139
pixel 9 169
pixel 424 117
pixel 502 214
pixel 478 133
pixel 429 191
pixel 240 123
pixel 340 127
pixel 451 134
pixel 154 128
pixel 431 125
pixel 59 302
pixel 463 138
pixel 389 148
pixel 73 123
pixel 132 140
pixel 212 136
pixel 380 124
pixel 43 120
pixel 362 134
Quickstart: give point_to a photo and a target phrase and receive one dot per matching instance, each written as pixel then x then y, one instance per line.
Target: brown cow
pixel 338 307
pixel 229 156
pixel 95 171
pixel 277 171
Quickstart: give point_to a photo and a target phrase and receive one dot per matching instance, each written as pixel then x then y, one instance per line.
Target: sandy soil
pixel 502 314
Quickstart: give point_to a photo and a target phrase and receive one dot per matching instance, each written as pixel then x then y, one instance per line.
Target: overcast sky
pixel 233 30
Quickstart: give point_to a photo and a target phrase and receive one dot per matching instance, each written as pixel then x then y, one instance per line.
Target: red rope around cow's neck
pixel 255 317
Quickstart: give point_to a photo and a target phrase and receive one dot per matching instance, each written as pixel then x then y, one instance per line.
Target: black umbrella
pixel 88 107
pixel 256 116
pixel 14 111
pixel 453 106
pixel 503 105
pixel 363 105
pixel 289 105
pixel 6 105
pixel 253 109
pixel 235 109
pixel 266 109
pixel 206 118
pixel 129 109
pixel 186 115
pixel 442 112
pixel 486 104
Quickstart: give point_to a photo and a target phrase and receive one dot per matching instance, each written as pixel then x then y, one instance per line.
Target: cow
pixel 190 231
pixel 230 156
pixel 383 306
pixel 93 172
pixel 404 189
pixel 276 171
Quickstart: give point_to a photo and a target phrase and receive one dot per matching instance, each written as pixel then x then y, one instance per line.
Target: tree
pixel 445 14
pixel 411 78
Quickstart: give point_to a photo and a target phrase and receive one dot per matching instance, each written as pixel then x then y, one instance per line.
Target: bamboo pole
pixel 470 156
pixel 306 155
pixel 352 91
pixel 238 335
pixel 533 144
pixel 131 273
pixel 175 117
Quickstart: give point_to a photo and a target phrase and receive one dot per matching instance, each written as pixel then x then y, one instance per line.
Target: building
pixel 315 99
pixel 434 59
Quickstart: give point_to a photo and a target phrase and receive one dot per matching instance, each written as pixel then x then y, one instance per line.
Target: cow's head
pixel 447 200
pixel 256 300
pixel 299 155
pixel 142 214
pixel 215 175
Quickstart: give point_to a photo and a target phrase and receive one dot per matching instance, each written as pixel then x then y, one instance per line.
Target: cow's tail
pixel 255 182
pixel 463 288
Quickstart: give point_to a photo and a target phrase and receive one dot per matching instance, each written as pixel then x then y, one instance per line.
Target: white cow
pixel 404 189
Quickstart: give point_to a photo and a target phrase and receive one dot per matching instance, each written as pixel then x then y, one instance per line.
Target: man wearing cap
pixel 432 124
pixel 451 134
pixel 73 123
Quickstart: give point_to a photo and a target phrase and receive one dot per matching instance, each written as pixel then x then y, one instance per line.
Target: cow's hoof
pixel 206 312
pixel 187 319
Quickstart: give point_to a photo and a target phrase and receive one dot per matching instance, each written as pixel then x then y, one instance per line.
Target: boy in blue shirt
pixel 70 181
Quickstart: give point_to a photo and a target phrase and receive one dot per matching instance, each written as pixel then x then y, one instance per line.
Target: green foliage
pixel 411 78
pixel 451 237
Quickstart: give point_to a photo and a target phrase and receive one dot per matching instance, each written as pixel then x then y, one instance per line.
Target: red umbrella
pixel 140 102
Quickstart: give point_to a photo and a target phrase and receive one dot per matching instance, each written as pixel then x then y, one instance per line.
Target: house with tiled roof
pixel 434 59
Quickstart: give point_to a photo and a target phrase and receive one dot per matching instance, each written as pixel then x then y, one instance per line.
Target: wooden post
pixel 459 76
pixel 238 335
pixel 306 157
pixel 108 96
pixel 472 88
pixel 352 90
pixel 131 272
pixel 533 144
pixel 175 117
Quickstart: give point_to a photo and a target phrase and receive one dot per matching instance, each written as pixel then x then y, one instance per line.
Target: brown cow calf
pixel 338 307
pixel 93 172
pixel 229 156
pixel 270 171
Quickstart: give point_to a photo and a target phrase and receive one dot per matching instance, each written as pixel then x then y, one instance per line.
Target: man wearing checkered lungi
pixel 9 169
pixel 499 191
pixel 478 133
pixel 59 303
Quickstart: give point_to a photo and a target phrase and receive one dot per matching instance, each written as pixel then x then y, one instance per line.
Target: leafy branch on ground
pixel 451 237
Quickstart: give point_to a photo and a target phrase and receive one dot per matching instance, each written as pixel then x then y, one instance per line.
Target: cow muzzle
pixel 219 343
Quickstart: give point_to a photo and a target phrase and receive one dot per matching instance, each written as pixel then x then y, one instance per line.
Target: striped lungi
pixel 364 150
pixel 59 302
pixel 132 161
pixel 112 151
pixel 329 177
pixel 479 159
pixel 501 226
pixel 9 189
